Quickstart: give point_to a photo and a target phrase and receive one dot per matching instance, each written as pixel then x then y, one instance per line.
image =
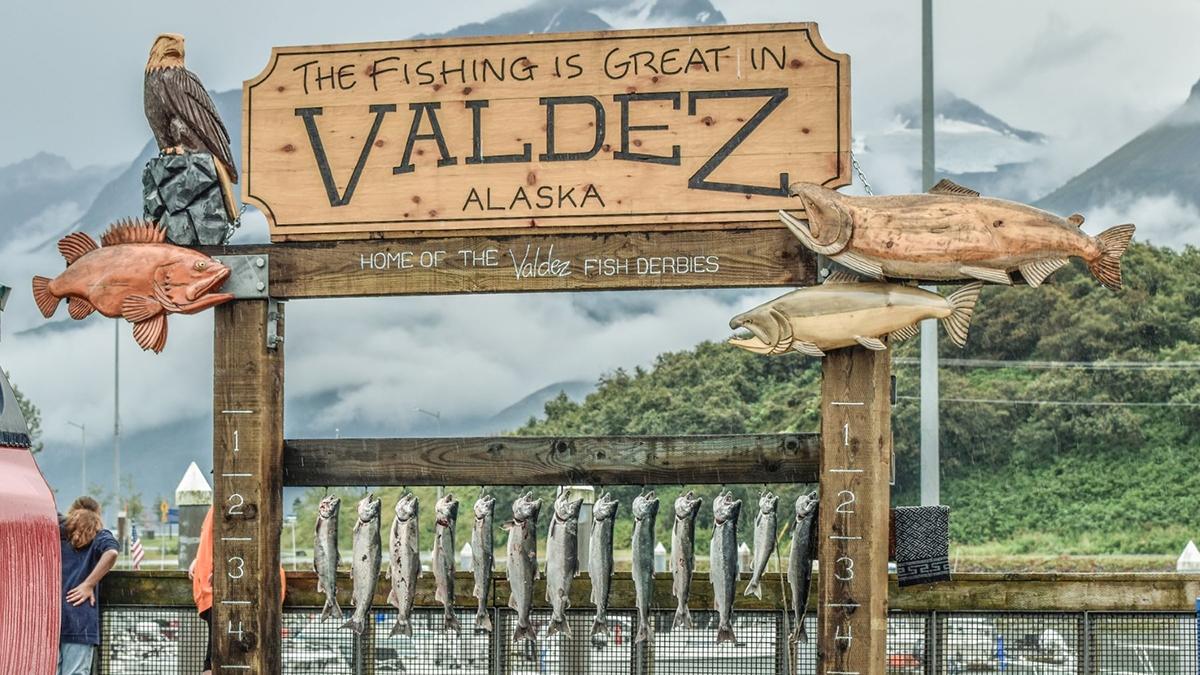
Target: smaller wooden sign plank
pixel 535 263
pixel 599 460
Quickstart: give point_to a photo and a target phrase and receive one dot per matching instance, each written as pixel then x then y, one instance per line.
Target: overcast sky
pixel 1092 72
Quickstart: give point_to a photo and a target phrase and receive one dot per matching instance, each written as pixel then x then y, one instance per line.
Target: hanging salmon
pixel 951 233
pixel 842 312
pixel 135 274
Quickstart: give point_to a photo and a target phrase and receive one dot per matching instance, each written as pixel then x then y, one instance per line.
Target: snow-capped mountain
pixel 1163 160
pixel 365 364
pixel 973 148
pixel 45 193
pixel 584 15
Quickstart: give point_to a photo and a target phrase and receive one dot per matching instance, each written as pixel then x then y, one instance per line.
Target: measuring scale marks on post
pixel 843 533
pixel 854 495
pixel 235 542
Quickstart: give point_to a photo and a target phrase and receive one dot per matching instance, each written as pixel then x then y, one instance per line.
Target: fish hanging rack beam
pixel 570 460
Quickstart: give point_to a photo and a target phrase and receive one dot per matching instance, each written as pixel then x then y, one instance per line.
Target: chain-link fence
pixel 166 640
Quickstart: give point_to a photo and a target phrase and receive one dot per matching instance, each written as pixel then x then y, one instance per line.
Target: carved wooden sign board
pixel 641 130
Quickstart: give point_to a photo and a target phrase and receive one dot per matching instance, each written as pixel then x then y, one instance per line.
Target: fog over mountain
pixel 1153 180
pixel 484 363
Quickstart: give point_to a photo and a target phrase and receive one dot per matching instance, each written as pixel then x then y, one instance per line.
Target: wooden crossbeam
pixel 1142 592
pixel 535 262
pixel 516 460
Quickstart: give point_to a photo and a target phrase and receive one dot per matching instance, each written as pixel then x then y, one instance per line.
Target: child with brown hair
pixel 88 552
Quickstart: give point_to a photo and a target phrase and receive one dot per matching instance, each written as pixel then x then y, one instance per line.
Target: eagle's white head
pixel 167 52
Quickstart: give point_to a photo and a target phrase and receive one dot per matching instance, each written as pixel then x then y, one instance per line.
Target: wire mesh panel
pixel 694 650
pixel 138 640
pixel 158 640
pixel 1029 642
pixel 431 649
pixel 1133 643
pixel 312 646
pixel 907 643
pixel 806 652
pixel 580 652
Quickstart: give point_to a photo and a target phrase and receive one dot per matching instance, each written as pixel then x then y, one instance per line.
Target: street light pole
pixel 82 455
pixel 117 414
pixel 437 416
pixel 930 397
pixel 291 520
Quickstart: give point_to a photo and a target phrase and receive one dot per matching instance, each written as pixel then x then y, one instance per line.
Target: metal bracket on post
pixel 274 309
pixel 250 276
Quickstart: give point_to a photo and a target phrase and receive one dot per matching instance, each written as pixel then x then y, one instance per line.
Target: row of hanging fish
pixel 562 564
pixel 949 234
pixel 403 556
pixel 723 556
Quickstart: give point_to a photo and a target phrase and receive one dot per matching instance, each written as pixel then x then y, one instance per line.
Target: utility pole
pixel 117 414
pixel 437 416
pixel 930 406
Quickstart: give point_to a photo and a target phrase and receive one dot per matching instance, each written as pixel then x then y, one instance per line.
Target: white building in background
pixel 1189 560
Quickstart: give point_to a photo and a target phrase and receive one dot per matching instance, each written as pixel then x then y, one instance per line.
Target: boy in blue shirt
pixel 88 553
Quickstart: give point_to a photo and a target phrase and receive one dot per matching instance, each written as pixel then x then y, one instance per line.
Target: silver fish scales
pixel 364 570
pixel 405 557
pixel 483 558
pixel 562 560
pixel 325 555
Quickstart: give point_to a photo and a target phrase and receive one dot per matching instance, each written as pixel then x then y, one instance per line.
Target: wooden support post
pixel 856 451
pixel 247 489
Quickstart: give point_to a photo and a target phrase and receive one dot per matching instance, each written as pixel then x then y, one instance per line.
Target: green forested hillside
pixel 1044 478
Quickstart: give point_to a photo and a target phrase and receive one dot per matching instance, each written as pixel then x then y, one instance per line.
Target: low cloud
pixel 376 359
pixel 1165 220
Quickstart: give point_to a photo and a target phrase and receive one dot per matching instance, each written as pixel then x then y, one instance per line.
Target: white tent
pixel 1189 560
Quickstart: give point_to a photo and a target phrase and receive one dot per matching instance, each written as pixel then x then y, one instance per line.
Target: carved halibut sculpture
pixel 842 312
pixel 134 275
pixel 951 234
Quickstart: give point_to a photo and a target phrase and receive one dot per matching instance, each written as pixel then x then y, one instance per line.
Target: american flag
pixel 135 549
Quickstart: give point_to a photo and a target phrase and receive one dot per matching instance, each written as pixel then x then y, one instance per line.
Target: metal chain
pixel 861 176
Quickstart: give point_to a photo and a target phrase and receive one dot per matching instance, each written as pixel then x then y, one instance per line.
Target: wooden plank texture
pixel 856 445
pixel 535 263
pixel 597 460
pixel 1143 592
pixel 247 489
pixel 677 125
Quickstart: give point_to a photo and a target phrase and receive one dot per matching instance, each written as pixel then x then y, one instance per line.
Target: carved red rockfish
pixel 136 275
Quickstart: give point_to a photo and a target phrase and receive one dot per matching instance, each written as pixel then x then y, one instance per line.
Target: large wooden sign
pixel 696 126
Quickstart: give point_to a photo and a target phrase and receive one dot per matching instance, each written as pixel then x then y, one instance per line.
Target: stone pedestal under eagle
pixel 182 115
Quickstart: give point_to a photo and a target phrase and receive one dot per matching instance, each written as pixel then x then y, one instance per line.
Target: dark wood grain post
pixel 247 490
pixel 856 450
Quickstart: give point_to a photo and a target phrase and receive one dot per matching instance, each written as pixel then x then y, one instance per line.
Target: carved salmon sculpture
pixel 842 312
pixel 134 274
pixel 951 233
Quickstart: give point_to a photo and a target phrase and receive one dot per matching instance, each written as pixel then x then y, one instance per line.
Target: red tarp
pixel 30 567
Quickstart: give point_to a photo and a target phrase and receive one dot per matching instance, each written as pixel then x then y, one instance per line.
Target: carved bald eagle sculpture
pixel 182 115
